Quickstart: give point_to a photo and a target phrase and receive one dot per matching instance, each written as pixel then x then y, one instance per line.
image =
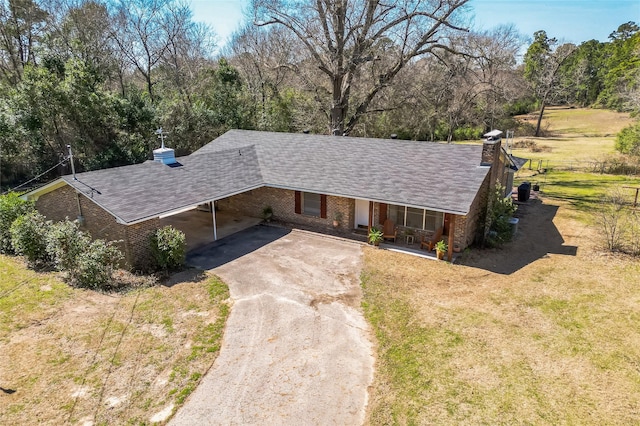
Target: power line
pixel 37 177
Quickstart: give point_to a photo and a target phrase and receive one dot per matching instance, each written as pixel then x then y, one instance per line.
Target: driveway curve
pixel 296 348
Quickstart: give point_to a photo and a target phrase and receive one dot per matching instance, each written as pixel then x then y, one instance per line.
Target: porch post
pixel 452 232
pixel 213 215
pixel 370 215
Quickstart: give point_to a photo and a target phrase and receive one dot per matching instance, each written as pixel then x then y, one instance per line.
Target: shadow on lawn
pixel 536 238
pixel 234 246
pixel 8 391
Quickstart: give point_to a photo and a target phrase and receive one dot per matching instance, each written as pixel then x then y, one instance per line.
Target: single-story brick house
pixel 306 179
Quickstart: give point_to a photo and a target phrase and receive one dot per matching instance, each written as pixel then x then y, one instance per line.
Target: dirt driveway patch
pixel 296 349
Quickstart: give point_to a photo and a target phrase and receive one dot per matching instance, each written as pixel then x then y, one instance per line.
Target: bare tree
pixel 147 31
pixel 443 92
pixel 22 27
pixel 344 37
pixel 262 56
pixel 495 58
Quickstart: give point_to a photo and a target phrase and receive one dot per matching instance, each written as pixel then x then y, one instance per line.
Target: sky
pixel 569 21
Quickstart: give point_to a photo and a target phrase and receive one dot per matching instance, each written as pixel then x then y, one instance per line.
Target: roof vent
pixel 163 155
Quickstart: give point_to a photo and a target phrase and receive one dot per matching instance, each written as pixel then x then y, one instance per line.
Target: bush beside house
pixel 169 248
pixel 11 208
pixel 86 262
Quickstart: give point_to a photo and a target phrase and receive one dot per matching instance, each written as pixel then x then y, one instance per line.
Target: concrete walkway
pixel 296 349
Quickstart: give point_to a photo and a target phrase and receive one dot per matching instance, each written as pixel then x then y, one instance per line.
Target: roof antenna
pixel 73 168
pixel 161 136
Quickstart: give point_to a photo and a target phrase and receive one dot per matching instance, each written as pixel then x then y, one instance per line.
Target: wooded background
pixel 103 75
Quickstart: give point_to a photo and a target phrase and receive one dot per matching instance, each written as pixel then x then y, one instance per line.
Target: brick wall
pixel 59 204
pixel 473 221
pixel 282 201
pixel 132 240
pixel 139 255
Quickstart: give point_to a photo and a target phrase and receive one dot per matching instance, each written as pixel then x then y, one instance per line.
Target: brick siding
pixel 473 221
pixel 132 240
pixel 282 202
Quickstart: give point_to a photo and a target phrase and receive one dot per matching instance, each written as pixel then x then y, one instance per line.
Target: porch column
pixel 213 215
pixel 370 215
pixel 452 233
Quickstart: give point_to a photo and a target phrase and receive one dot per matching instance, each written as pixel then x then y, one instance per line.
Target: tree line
pixel 103 75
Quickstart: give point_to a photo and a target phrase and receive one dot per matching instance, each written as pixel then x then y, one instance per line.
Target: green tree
pixel 628 140
pixel 622 77
pixel 583 72
pixel 11 208
pixel 22 29
pixel 542 64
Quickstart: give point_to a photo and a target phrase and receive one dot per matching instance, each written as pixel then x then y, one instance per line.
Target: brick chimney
pixel 491 147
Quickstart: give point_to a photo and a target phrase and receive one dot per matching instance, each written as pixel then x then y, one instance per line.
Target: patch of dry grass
pixel 585 122
pixel 573 134
pixel 555 342
pixel 78 356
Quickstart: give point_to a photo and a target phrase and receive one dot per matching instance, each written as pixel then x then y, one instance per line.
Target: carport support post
pixel 452 233
pixel 213 214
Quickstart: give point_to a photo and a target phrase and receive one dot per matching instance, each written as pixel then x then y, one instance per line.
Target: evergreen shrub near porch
pixel 169 248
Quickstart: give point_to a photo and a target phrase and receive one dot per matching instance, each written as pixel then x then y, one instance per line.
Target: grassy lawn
pixel 555 342
pixel 581 134
pixel 586 190
pixel 545 330
pixel 79 356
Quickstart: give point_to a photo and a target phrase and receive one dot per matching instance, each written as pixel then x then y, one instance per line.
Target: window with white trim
pixel 412 217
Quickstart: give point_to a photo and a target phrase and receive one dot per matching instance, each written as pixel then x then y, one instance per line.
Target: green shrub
pixel 628 140
pixel 87 263
pixel 502 209
pixel 169 248
pixel 29 238
pixel 95 265
pixel 65 244
pixel 11 208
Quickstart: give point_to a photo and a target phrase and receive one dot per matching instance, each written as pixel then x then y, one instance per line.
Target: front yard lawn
pixel 556 341
pixel 74 356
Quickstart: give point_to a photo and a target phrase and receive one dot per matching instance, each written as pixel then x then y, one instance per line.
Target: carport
pixel 201 226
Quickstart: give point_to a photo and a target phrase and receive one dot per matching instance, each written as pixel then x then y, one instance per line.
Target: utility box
pixel 513 223
pixel 524 192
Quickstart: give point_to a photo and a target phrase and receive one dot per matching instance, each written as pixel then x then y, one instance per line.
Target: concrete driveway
pixel 296 349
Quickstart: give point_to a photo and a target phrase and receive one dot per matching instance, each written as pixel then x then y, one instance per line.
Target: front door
pixel 362 213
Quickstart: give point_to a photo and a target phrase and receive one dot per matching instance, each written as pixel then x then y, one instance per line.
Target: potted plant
pixel 441 248
pixel 375 236
pixel 337 217
pixel 267 213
